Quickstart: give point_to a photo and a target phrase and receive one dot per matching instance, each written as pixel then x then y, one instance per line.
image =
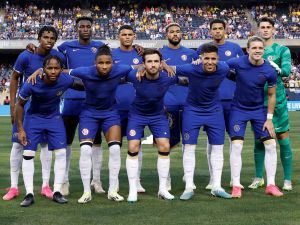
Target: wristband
pixel 269 116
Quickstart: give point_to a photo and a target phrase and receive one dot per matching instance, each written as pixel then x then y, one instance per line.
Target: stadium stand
pixel 149 22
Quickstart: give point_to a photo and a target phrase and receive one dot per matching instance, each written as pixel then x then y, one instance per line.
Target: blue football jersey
pixel 78 55
pixel 250 82
pixel 45 98
pixel 227 51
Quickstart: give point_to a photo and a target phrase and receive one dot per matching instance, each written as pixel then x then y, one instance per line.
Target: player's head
pixel 47 37
pixel 126 35
pixel 255 48
pixel 217 29
pixel 84 27
pixel 266 28
pixel 52 67
pixel 152 61
pixel 209 57
pixel 103 60
pixel 174 33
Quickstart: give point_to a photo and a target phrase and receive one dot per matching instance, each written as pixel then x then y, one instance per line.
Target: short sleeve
pixel 131 77
pixel 21 63
pixel 81 72
pixel 186 70
pixel 124 70
pixel 63 58
pixel 272 78
pixel 240 51
pixel 195 55
pixel 26 91
pixel 172 80
pixel 62 48
pixel 224 68
pixel 68 80
pixel 199 50
pixel 233 63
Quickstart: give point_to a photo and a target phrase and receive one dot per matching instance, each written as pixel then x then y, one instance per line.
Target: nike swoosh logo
pixel 74 50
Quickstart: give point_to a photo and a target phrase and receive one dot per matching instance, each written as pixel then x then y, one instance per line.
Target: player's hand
pixel 31 47
pixel 270 127
pixel 22 137
pixel 32 77
pixel 140 50
pixel 140 73
pixel 275 66
pixel 170 70
pixel 12 113
pixel 197 61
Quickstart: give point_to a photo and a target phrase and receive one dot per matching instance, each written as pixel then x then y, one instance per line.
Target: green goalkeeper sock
pixel 286 156
pixel 259 157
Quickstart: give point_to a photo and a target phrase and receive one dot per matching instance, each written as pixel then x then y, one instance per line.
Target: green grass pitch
pixel 254 208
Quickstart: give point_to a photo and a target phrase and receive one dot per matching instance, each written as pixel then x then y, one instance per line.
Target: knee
pixel 28 154
pixel 164 147
pixel 237 146
pixel 133 147
pixel 60 152
pixel 270 144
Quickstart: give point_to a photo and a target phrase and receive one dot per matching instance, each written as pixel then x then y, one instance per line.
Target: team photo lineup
pixel 111 95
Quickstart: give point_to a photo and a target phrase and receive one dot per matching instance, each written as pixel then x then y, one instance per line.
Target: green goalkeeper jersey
pixel 280 55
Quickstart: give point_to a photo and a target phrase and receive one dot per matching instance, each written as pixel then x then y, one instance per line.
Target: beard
pixel 175 43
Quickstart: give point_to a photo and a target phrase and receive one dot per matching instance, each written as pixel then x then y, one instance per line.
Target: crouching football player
pixel 43 118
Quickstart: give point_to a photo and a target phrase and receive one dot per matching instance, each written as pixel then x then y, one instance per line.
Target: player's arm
pixel 20 112
pixel 13 93
pixel 183 81
pixel 286 62
pixel 77 84
pixel 231 75
pixel 240 52
pixel 132 75
pixel 271 105
pixel 169 69
pixel 185 70
pixel 31 47
pixel 81 72
pixel 140 50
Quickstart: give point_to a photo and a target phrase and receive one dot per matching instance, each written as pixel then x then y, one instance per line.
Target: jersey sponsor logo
pixel 270 58
pixel 183 57
pixel 93 49
pixel 59 93
pixel 85 131
pixel 135 61
pixel 236 128
pixel 228 53
pixel 186 136
pixel 132 133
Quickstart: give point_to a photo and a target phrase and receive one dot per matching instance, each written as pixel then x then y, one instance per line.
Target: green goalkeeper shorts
pixel 281 118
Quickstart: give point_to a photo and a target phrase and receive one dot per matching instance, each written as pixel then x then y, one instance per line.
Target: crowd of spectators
pixel 24 23
pixel 287 19
pixel 293 81
pixel 149 22
pixel 5 72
